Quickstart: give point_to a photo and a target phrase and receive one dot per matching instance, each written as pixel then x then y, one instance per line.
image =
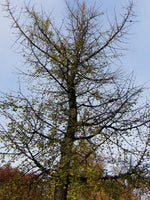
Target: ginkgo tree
pixel 78 104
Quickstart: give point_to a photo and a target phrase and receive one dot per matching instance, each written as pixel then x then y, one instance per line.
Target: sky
pixel 136 59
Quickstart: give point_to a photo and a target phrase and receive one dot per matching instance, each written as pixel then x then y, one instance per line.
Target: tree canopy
pixel 80 111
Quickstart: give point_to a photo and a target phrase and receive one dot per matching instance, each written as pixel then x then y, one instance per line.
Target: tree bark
pixel 62 181
pixel 61 188
pixel 60 192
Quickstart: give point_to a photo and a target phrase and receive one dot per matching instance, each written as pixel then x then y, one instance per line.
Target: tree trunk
pixel 61 189
pixel 62 182
pixel 60 192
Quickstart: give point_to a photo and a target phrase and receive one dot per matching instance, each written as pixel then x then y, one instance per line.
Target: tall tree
pixel 79 105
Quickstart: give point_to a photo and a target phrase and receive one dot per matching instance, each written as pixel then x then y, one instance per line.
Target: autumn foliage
pixel 16 185
pixel 104 196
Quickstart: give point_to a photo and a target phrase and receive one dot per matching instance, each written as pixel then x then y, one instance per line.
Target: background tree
pixel 16 185
pixel 78 105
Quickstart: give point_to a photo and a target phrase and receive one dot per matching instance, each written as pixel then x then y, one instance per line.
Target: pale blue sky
pixel 137 59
